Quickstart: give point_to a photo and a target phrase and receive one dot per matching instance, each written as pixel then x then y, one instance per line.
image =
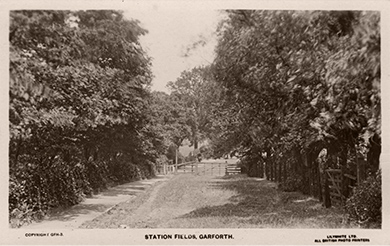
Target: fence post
pixel 176 161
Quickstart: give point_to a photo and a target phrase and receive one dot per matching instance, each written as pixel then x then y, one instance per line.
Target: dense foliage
pixel 168 120
pixel 294 83
pixel 365 205
pixel 79 90
pixel 193 92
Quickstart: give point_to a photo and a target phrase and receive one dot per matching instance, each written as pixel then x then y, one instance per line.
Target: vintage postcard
pixel 195 122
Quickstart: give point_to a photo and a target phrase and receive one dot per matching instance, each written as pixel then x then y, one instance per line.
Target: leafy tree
pixel 169 121
pixel 191 91
pixel 295 82
pixel 78 118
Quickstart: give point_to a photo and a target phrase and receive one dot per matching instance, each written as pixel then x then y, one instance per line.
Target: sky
pixel 170 33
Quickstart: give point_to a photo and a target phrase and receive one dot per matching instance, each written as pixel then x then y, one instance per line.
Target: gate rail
pixel 201 168
pixel 204 168
pixel 336 179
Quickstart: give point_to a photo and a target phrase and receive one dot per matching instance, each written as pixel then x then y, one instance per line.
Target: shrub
pixel 248 166
pixel 96 174
pixel 365 205
pixel 34 190
pixel 293 182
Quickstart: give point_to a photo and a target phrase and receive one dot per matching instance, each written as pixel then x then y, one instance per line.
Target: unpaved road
pixel 91 208
pixel 164 204
pixel 206 201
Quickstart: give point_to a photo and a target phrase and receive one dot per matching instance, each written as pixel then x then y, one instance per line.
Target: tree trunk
pixel 285 171
pixel 374 152
pixel 267 172
pixel 195 143
pixel 177 150
pixel 261 168
pixel 305 172
pixel 327 201
pixel 275 170
pixel 279 171
pixel 311 175
pixel 195 136
pixel 361 170
pixel 319 185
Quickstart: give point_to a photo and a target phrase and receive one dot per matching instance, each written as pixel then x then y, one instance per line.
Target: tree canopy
pixel 79 83
pixel 296 82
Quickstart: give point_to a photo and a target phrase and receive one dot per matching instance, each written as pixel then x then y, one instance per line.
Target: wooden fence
pixel 172 168
pixel 200 168
pixel 166 169
pixel 232 169
pixel 209 168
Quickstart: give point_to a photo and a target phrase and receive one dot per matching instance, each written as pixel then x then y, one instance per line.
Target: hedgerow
pixel 78 108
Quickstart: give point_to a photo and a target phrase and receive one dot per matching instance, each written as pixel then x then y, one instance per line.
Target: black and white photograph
pixel 128 122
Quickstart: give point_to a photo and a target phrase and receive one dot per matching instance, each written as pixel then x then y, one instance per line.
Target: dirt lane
pixel 161 206
pixel 90 208
pixel 205 201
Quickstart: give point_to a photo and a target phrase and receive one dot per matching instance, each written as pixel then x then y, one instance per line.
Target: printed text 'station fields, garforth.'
pixel 187 236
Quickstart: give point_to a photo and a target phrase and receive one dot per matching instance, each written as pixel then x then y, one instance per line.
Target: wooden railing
pixel 172 168
pixel 201 168
pixel 206 168
pixel 232 169
pixel 185 163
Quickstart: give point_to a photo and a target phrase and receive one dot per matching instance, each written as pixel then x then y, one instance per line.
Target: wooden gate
pixel 335 191
pixel 232 169
pixel 335 180
pixel 203 168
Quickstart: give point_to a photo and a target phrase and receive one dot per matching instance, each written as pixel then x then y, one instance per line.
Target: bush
pixel 206 151
pixel 248 165
pixel 122 170
pixel 96 174
pixel 34 190
pixel 365 205
pixel 293 182
pixel 189 158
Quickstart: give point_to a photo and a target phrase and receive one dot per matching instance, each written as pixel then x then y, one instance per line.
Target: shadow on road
pixel 76 211
pixel 123 190
pixel 94 206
